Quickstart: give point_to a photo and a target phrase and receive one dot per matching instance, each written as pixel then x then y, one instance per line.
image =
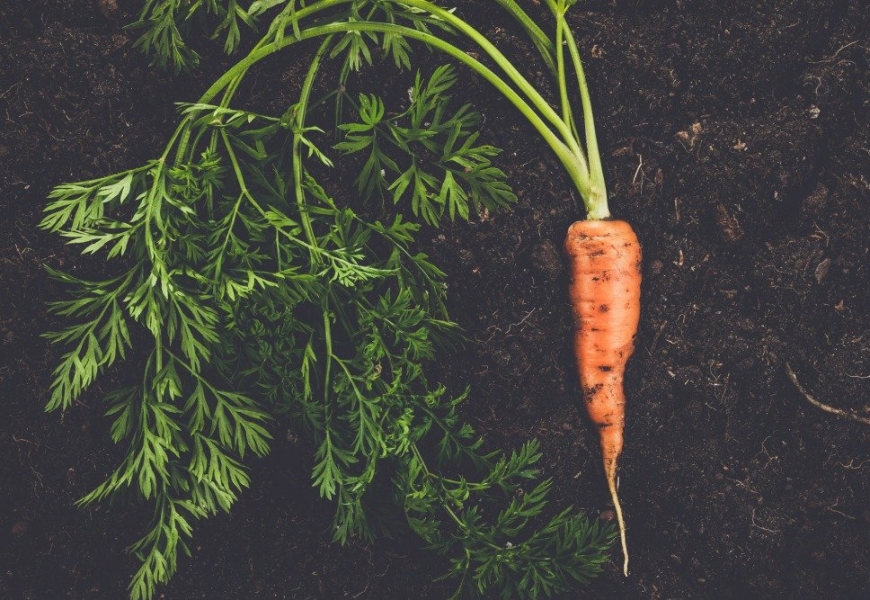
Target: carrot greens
pixel 247 289
pixel 163 24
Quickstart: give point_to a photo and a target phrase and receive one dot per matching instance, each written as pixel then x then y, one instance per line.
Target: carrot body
pixel 604 261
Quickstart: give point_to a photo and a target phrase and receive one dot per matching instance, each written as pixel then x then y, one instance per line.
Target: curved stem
pixel 563 145
pixel 543 43
pixel 596 203
pixel 299 126
pixel 240 68
pixel 505 65
pixel 556 130
pixel 567 115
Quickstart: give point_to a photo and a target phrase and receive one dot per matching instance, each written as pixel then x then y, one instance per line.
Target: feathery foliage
pixel 244 292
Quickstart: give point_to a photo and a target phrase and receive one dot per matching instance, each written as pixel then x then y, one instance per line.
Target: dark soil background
pixel 736 140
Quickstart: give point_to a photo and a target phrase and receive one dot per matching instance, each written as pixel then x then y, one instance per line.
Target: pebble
pixel 607 515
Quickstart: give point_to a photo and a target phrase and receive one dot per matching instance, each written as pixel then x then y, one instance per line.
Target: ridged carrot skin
pixel 605 273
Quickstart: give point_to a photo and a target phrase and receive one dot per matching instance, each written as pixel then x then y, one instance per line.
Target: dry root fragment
pixel 809 398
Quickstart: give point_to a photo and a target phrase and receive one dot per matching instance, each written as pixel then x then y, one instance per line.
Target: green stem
pixel 360 400
pixel 567 115
pixel 299 127
pixel 453 516
pixel 596 203
pixel 565 146
pixel 153 205
pixel 327 338
pixel 240 68
pixel 237 170
pixel 559 132
pixel 535 33
pixel 532 94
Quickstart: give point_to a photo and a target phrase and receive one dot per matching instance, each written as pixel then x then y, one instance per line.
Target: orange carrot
pixel 604 258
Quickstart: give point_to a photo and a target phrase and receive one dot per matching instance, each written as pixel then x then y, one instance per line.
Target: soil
pixel 735 137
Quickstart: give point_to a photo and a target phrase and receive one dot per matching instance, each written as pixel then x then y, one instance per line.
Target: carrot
pixel 604 259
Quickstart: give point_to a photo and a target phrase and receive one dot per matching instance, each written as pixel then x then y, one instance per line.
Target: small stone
pixel 656 266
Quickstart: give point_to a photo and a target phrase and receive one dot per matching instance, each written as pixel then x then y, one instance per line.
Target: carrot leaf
pixel 427 155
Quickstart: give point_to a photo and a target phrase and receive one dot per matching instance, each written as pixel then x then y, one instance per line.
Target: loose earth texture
pixel 736 140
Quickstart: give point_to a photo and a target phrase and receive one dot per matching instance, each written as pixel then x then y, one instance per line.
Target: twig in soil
pixel 657 336
pixel 839 512
pixel 834 411
pixel 834 55
pixel 523 320
pixel 761 527
pixel 638 172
